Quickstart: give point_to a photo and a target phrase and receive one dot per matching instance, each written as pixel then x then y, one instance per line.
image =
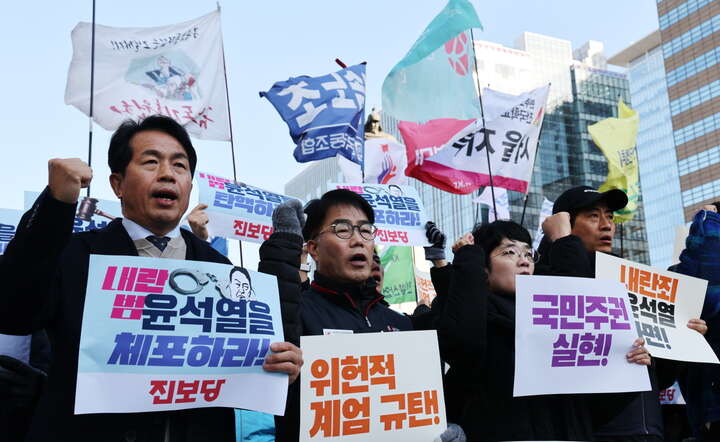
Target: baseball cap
pixel 585 196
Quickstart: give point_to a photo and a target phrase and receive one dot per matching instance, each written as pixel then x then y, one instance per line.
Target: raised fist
pixel 66 176
pixel 557 226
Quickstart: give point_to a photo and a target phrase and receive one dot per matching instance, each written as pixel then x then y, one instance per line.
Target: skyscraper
pixel 691 51
pixel 659 178
pixel 580 94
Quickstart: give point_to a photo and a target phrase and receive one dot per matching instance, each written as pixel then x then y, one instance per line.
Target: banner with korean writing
pixel 425 288
pixel 92 213
pixel 510 135
pixel 371 386
pixel 572 335
pixel 325 114
pixel 165 334
pixel 238 210
pixel 662 303
pixel 399 275
pixel 399 212
pixel 174 70
pixel 672 395
pixel 9 220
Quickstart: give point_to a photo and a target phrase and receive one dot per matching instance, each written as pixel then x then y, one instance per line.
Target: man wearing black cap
pixel 582 224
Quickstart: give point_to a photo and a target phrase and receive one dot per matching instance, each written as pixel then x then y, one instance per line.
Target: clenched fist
pixel 557 226
pixel 66 176
pixel 198 220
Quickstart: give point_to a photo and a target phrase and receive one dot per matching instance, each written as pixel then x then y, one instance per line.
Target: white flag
pixel 510 135
pixel 385 163
pixel 174 70
pixel 545 211
pixel 501 202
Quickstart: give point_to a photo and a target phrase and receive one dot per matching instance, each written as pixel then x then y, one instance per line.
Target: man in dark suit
pixel 45 271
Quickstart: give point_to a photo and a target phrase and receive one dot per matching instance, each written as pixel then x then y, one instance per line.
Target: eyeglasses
pixel 516 253
pixel 344 230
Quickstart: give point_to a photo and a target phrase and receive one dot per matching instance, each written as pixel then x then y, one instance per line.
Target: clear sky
pixel 265 41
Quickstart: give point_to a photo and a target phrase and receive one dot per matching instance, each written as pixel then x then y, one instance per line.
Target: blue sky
pixel 264 42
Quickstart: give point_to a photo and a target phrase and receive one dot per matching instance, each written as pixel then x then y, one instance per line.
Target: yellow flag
pixel 616 137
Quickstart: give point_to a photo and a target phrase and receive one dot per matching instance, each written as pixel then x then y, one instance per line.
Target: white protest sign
pixel 572 335
pixel 399 212
pixel 662 303
pixel 92 213
pixel 238 210
pixel 166 334
pixel 672 395
pixel 371 387
pixel 9 220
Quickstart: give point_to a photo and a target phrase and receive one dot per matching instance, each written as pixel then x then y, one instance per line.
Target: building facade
pixel 659 176
pixel 690 33
pixel 580 94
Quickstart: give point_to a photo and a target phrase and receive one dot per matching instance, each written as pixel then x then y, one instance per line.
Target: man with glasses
pixel 342 297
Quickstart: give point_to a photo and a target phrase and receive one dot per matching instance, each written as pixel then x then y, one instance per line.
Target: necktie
pixel 159 241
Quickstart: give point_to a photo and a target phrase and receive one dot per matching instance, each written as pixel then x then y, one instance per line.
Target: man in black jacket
pixel 581 224
pixel 45 270
pixel 342 297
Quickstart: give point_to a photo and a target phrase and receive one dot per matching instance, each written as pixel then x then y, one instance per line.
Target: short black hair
pixel 242 270
pixel 120 152
pixel 317 209
pixel 490 235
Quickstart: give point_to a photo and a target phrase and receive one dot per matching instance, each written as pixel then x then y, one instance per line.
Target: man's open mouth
pixel 165 195
pixel 359 259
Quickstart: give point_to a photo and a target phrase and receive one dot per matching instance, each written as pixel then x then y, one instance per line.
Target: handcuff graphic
pixel 201 280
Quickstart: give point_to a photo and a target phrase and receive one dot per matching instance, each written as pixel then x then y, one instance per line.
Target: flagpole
pixel 92 93
pixel 232 142
pixel 537 149
pixel 482 116
pixel 362 164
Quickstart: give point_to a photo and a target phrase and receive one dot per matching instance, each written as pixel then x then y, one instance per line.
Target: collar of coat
pixel 358 296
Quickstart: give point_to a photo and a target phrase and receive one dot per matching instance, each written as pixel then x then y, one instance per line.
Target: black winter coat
pixel 614 414
pixel 476 330
pixel 44 272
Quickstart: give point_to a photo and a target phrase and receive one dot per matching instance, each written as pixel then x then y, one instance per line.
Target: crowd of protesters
pixel 45 270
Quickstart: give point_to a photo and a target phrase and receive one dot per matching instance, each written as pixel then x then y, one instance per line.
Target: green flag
pixel 399 281
pixel 435 78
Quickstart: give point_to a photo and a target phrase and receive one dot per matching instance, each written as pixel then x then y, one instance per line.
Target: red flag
pixel 425 140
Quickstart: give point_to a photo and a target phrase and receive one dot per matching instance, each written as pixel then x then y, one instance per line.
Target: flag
pixel 616 138
pixel 399 279
pixel 385 163
pixel 435 78
pixel 174 70
pixel 325 114
pixel 502 203
pixel 545 211
pixel 453 151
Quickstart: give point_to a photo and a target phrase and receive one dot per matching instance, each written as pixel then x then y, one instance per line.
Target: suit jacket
pixel 44 271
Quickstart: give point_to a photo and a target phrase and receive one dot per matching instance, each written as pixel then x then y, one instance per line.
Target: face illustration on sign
pixel 240 284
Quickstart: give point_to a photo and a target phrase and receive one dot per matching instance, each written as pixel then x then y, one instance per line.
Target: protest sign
pixel 662 303
pixel 9 220
pixel 92 213
pixel 399 212
pixel 165 334
pixel 572 336
pixel 371 386
pixel 176 71
pixel 238 210
pixel 672 395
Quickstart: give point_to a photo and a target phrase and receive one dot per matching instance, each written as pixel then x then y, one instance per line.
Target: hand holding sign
pixel 286 358
pixel 198 221
pixel 66 176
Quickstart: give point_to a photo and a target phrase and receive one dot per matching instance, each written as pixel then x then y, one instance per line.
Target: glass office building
pixel 690 34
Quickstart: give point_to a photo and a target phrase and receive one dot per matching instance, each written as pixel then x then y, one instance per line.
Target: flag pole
pixel 232 142
pixel 362 164
pixel 537 149
pixel 482 116
pixel 92 93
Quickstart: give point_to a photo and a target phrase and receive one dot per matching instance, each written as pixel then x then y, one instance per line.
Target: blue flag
pixel 434 80
pixel 325 114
